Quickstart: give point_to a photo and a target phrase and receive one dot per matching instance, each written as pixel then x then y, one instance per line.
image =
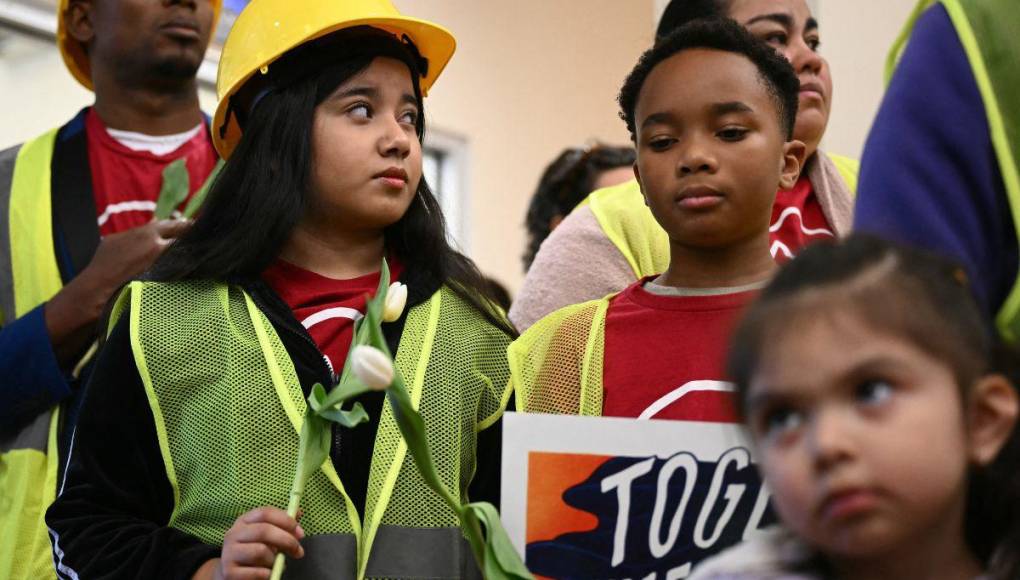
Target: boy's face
pixel 710 150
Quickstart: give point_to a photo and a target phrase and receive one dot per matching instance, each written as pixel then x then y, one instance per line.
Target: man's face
pixel 710 150
pixel 144 38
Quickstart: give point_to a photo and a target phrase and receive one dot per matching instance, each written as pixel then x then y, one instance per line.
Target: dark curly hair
pixel 725 35
pixel 564 184
pixel 680 12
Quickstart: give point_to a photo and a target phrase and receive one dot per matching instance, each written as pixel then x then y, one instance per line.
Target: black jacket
pixel 110 517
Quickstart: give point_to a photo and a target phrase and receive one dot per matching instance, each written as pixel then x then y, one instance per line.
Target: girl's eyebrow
pixel 408 99
pixel 371 93
pixel 780 18
pixel 355 91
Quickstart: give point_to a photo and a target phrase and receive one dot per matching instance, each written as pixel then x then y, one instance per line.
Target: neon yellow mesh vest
pixel 556 365
pixel 988 31
pixel 29 276
pixel 228 406
pixel 629 224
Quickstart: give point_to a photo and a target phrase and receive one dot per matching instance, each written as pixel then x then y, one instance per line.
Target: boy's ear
pixel 641 186
pixel 992 417
pixel 794 152
pixel 78 20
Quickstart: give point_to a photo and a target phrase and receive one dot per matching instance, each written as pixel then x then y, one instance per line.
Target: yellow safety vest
pixel 29 276
pixel 622 214
pixel 988 31
pixel 228 408
pixel 556 365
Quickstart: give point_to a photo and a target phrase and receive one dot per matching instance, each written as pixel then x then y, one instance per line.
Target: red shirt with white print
pixel 126 183
pixel 664 354
pixel 326 307
pixel 797 220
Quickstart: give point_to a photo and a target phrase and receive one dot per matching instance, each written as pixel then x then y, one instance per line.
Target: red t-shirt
pixel 327 308
pixel 797 220
pixel 126 183
pixel 664 355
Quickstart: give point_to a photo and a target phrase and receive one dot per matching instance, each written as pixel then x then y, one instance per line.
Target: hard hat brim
pixel 434 42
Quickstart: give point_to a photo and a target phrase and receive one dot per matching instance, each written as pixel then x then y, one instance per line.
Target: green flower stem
pixel 312 452
pixel 199 198
pixel 297 490
pixel 473 531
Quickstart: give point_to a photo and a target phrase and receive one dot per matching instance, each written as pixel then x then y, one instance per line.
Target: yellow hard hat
pixel 73 53
pixel 267 29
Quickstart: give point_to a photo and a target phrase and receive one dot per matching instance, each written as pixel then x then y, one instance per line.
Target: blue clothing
pixel 32 379
pixel 929 174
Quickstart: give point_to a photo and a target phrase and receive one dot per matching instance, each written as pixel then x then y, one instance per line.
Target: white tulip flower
pixel 396 298
pixel 373 368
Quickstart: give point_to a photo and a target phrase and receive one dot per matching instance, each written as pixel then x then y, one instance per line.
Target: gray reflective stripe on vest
pixel 326 556
pixel 397 552
pixel 402 552
pixel 34 436
pixel 8 157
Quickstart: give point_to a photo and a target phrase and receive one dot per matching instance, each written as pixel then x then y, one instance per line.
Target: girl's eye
pixel 814 43
pixel 409 117
pixel 776 38
pixel 873 392
pixel 781 421
pixel 361 111
pixel 732 133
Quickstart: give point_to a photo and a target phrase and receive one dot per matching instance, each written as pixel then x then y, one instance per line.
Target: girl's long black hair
pixel 262 192
pixel 921 298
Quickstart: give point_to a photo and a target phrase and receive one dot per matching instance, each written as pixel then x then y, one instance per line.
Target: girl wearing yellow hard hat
pixel 186 449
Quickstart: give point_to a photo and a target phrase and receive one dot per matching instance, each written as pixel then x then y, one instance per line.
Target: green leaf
pixel 378 301
pixel 196 201
pixel 317 399
pixel 349 419
pixel 314 445
pixel 373 314
pixel 348 388
pixel 501 558
pixel 176 183
pixel 412 427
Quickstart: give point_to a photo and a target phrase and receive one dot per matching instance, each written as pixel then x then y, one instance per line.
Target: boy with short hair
pixel 711 111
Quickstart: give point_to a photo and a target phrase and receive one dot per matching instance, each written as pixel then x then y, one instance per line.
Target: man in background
pixel 76 223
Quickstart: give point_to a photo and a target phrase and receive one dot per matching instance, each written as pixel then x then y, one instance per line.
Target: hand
pixel 71 314
pixel 123 256
pixel 251 545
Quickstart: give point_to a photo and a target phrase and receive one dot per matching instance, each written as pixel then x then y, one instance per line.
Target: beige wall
pixel 856 36
pixel 529 78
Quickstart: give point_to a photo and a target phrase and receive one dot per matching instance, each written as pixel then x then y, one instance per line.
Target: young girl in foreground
pixel 189 438
pixel 865 374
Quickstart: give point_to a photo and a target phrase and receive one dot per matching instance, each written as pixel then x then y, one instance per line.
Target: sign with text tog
pixel 592 497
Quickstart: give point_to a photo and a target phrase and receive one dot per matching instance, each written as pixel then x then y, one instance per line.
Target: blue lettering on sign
pixel 657 518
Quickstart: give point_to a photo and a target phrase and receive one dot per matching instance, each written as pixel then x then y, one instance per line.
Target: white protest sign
pixel 591 497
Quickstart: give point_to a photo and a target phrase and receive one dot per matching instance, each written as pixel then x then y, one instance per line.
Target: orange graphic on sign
pixel 549 476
